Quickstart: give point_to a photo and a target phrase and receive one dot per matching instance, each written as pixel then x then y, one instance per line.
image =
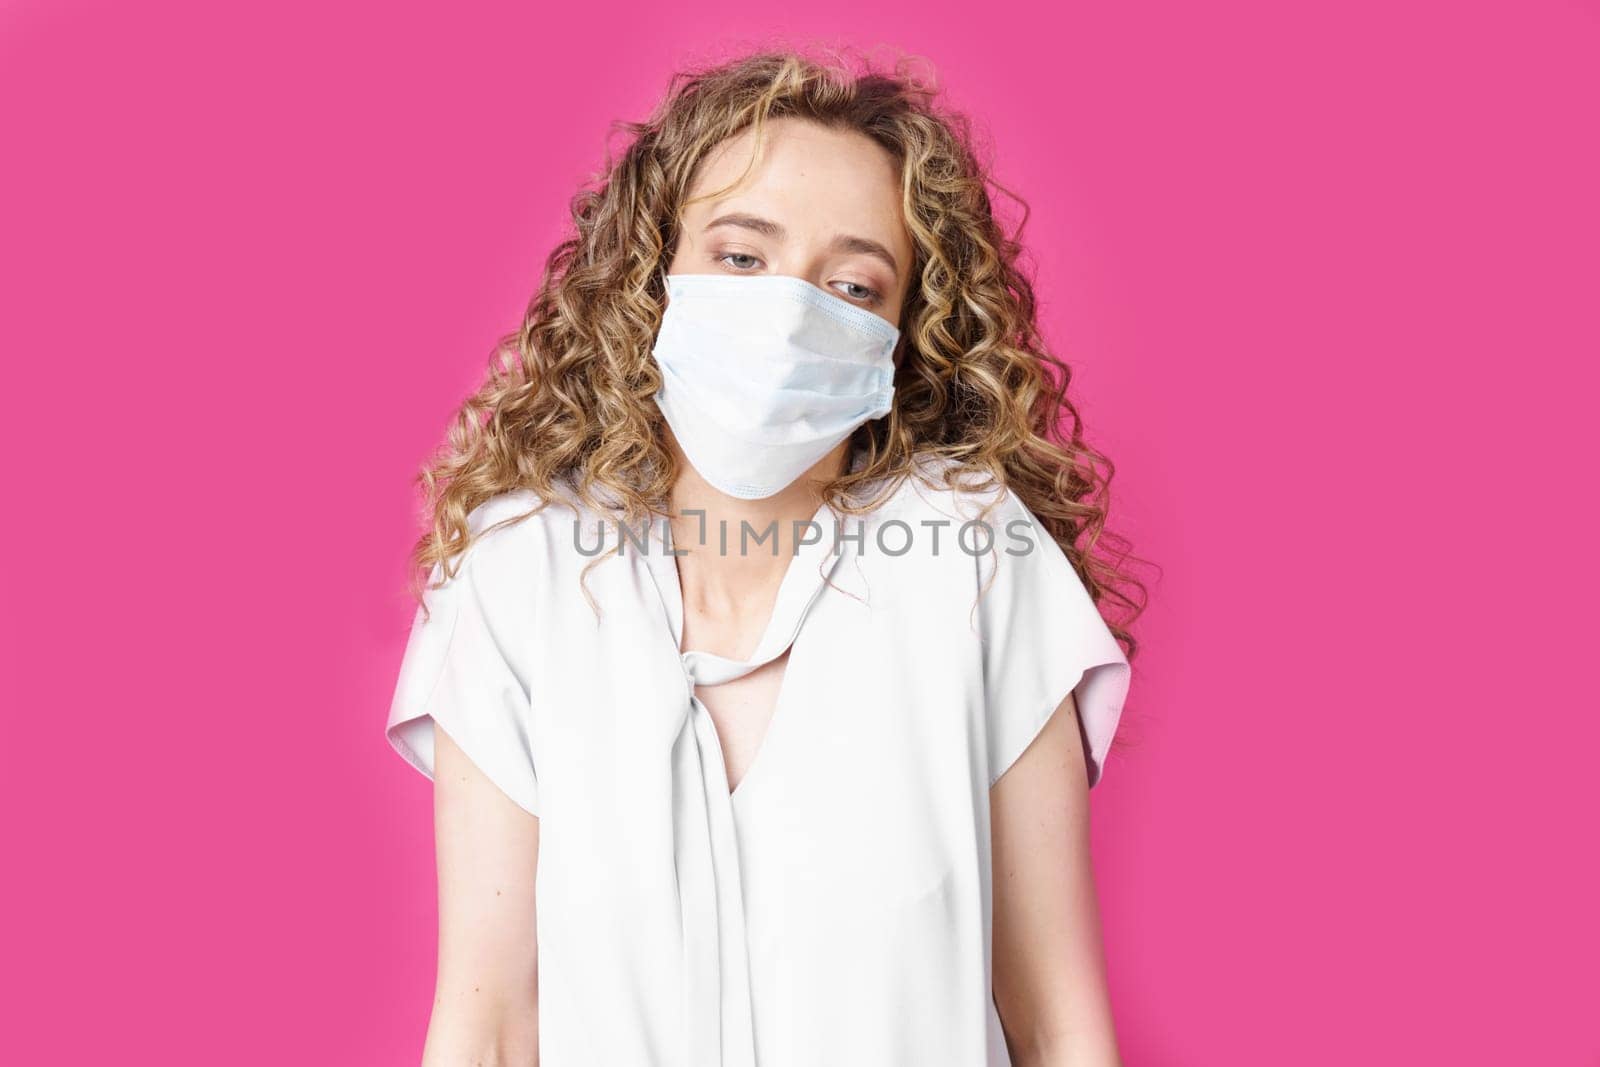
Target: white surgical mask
pixel 762 375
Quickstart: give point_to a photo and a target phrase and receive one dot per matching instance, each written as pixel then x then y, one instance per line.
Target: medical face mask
pixel 762 375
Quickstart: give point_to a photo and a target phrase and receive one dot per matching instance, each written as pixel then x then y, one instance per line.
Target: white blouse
pixel 836 907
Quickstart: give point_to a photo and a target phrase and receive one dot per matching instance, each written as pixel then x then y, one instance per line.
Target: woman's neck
pixel 737 551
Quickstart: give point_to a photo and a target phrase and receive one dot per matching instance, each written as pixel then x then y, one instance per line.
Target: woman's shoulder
pixel 520 528
pixel 509 516
pixel 940 522
pixel 938 490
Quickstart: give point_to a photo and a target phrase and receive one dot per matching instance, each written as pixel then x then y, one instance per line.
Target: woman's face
pixel 820 204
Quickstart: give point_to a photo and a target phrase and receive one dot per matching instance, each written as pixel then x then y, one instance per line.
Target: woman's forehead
pixel 810 174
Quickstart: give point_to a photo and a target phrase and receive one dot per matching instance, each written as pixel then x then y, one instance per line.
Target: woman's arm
pixel 486 1000
pixel 1049 967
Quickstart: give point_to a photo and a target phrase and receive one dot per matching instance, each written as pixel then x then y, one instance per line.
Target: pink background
pixel 1328 275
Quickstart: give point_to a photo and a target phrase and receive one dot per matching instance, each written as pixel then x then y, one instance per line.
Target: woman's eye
pixel 739 260
pixel 857 291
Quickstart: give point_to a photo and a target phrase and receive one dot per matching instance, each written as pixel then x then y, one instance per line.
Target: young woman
pixel 762 676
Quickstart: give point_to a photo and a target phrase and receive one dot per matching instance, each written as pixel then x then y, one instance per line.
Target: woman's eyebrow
pixel 867 247
pixel 765 227
pixel 843 243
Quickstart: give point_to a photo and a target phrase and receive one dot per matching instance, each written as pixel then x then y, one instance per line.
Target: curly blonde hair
pixel 567 404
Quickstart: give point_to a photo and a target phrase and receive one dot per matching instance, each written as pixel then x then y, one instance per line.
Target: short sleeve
pixel 459 672
pixel 1043 637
